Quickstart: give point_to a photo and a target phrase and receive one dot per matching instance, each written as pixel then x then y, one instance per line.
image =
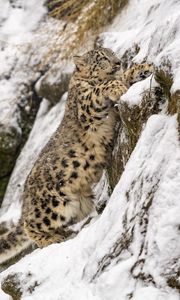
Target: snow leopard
pixel 58 191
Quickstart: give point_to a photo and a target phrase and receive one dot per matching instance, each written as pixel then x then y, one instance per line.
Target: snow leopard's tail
pixel 13 243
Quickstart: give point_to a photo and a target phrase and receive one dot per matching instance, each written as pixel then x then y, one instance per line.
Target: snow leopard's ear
pixel 79 61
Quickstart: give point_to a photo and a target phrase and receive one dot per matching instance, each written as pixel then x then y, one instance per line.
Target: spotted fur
pixel 58 190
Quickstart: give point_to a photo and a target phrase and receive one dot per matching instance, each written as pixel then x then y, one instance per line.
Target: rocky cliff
pixel 131 249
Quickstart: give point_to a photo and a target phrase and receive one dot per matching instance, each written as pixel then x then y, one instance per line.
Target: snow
pixel 150 293
pixel 99 264
pixel 24 47
pixel 134 94
pixel 4 296
pixel 7 91
pixel 91 266
pixel 65 66
pixel 152 25
pixel 15 28
pixel 46 123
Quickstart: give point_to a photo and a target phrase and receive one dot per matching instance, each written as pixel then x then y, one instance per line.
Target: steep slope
pixel 132 250
pixel 46 122
pixel 20 69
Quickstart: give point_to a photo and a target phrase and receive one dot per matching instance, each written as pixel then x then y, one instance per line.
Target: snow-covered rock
pixel 141 101
pixel 24 45
pixel 132 250
pixel 18 103
pixel 46 122
pixel 55 81
pixel 132 247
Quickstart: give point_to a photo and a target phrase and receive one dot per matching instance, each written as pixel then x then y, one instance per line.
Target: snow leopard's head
pixel 96 64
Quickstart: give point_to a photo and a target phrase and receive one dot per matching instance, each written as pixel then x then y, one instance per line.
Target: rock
pixel 133 118
pixel 131 246
pixel 10 139
pixel 15 125
pixel 24 57
pixel 46 122
pixel 55 81
pixel 125 229
pixel 174 105
pixel 12 287
pixel 165 78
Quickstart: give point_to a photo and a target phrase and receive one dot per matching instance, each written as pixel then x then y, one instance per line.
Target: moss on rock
pixel 174 105
pixel 11 286
pixel 174 281
pixel 165 79
pixel 133 119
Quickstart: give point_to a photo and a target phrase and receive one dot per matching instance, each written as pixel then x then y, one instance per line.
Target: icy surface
pixel 90 266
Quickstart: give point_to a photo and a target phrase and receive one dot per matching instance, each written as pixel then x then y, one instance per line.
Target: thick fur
pixel 58 190
pixel 13 243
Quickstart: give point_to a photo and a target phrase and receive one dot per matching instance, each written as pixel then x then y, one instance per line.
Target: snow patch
pixel 91 266
pixel 154 27
pixel 134 94
pixel 4 296
pixel 15 27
